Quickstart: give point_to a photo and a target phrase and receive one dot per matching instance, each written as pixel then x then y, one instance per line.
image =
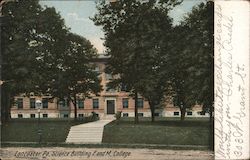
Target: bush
pixel 118 115
pixel 95 116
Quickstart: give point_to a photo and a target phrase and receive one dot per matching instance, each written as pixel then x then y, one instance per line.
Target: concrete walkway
pixel 87 133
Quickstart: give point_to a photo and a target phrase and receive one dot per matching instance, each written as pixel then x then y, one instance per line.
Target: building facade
pixel 109 102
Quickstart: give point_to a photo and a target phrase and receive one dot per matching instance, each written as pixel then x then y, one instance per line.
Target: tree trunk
pixel 211 130
pixel 75 107
pixel 152 109
pixel 6 102
pixel 183 112
pixel 152 113
pixel 136 108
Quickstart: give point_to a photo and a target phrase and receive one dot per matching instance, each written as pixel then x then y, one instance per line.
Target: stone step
pixel 87 133
pixel 80 136
pixel 83 131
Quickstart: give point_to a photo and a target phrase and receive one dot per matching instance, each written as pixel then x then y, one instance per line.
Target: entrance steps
pixel 87 133
pixel 108 117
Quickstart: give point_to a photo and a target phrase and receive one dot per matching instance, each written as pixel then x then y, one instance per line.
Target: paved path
pixel 62 153
pixel 87 133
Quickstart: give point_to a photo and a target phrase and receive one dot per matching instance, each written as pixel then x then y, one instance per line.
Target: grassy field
pixel 167 131
pixel 26 130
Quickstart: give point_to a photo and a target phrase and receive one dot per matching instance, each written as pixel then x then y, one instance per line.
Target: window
pixel 201 113
pixel 95 103
pixel 80 115
pixel 108 76
pixel 32 116
pixel 109 89
pixel 62 103
pixel 176 113
pixel 124 88
pixel 97 69
pixel 140 103
pixel 80 104
pixel 65 115
pixel 45 115
pixel 140 114
pixel 189 113
pixel 125 102
pixel 45 102
pixel 125 114
pixel 157 114
pixel 19 103
pixel 32 103
pixel 20 116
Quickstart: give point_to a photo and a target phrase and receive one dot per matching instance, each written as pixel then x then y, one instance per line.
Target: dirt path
pixel 61 153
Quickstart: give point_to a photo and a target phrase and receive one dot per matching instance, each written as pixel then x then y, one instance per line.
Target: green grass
pixel 166 131
pixel 26 130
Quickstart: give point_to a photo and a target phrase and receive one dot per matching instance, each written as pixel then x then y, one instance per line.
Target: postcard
pixel 124 79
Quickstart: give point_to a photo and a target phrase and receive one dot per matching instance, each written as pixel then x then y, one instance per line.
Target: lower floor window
pixel 32 116
pixel 65 116
pixel 80 115
pixel 189 113
pixel 157 114
pixel 45 115
pixel 201 113
pixel 20 116
pixel 176 113
pixel 140 114
pixel 125 114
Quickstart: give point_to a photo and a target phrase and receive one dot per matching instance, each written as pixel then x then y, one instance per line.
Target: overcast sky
pixel 76 14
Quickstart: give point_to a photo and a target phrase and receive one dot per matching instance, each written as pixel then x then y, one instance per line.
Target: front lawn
pixel 166 131
pixel 26 130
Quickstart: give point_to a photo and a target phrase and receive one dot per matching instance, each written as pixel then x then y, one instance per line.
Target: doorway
pixel 110 106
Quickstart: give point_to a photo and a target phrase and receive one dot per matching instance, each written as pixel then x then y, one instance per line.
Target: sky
pixel 76 14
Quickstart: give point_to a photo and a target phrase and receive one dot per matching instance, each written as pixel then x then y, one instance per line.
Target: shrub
pixel 118 115
pixel 95 116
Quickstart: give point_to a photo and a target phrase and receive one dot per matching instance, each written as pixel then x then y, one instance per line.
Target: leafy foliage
pixel 137 34
pixel 42 56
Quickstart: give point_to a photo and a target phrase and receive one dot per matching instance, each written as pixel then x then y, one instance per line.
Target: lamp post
pixel 38 107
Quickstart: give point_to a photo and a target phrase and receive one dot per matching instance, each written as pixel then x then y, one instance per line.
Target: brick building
pixel 106 104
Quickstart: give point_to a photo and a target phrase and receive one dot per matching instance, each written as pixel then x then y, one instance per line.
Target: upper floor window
pixel 80 103
pixel 45 102
pixel 140 103
pixel 109 89
pixel 62 103
pixel 125 102
pixel 97 69
pixel 124 88
pixel 108 76
pixel 32 103
pixel 19 103
pixel 95 103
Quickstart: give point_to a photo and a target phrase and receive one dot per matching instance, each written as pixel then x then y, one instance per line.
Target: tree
pixel 190 66
pixel 37 48
pixel 201 27
pixel 138 26
pixel 72 76
pixel 18 60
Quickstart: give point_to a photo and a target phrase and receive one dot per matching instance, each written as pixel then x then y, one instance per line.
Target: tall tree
pixel 72 75
pixel 132 30
pixel 17 35
pixel 201 48
pixel 38 46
